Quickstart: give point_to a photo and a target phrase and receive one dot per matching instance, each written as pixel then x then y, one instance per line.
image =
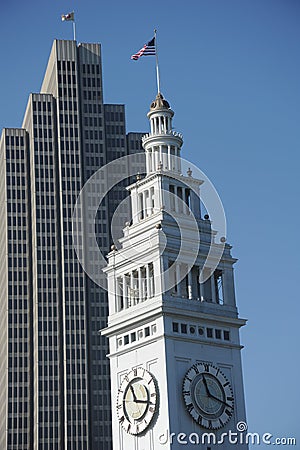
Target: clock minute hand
pixel 206 387
pixel 147 402
pixel 221 401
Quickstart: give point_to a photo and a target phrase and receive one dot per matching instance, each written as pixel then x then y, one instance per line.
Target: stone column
pixel 176 198
pixel 118 295
pixel 125 296
pixel 169 158
pixel 213 288
pixel 131 290
pixel 190 285
pixel 200 279
pixel 140 284
pixel 178 282
pixel 148 280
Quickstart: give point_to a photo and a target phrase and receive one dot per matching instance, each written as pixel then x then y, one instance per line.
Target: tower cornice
pixel 170 137
pixel 182 309
pixel 187 180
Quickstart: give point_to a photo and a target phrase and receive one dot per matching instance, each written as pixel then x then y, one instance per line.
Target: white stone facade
pixel 168 313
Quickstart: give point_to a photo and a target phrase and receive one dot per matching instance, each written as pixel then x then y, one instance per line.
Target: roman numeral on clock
pixel 190 407
pixel 206 367
pixel 195 368
pixel 199 420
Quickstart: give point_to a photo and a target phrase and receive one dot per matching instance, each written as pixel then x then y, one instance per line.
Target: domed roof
pixel 159 103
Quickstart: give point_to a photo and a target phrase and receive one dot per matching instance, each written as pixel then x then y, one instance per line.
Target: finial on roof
pixel 159 103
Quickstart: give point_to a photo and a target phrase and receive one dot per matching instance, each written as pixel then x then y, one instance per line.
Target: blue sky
pixel 230 70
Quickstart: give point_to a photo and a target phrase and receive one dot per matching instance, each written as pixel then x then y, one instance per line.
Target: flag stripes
pixel 66 17
pixel 147 50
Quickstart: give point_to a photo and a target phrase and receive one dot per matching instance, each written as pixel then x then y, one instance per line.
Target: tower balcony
pixel 164 137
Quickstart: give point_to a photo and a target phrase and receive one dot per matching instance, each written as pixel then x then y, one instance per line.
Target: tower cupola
pixel 162 145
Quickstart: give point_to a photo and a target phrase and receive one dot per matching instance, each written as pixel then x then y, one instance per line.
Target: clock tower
pixel 173 326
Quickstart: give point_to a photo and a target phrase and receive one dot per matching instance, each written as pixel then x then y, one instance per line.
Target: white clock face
pixel 137 400
pixel 208 395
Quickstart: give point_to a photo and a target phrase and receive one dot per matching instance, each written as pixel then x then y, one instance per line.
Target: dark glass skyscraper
pixel 55 392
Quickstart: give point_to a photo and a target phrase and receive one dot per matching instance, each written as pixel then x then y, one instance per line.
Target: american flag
pixel 147 50
pixel 69 16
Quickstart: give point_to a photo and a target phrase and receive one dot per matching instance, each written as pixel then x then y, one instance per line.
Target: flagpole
pixel 74 31
pixel 157 67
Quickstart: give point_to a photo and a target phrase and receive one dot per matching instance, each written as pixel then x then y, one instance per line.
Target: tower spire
pixel 162 145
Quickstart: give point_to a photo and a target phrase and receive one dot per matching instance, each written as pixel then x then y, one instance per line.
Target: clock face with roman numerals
pixel 137 400
pixel 208 395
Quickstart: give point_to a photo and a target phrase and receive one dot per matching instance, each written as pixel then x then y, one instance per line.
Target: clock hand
pixel 133 393
pixel 206 387
pixel 221 401
pixel 144 401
